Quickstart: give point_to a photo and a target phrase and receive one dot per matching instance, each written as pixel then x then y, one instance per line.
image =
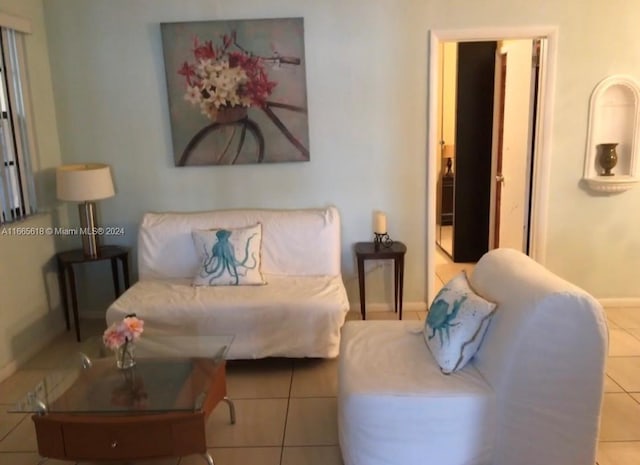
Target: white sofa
pixel 298 313
pixel 531 396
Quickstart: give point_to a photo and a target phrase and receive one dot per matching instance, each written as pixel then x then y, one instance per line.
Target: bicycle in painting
pixel 247 119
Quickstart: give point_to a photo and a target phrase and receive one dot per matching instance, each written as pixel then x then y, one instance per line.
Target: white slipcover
pixel 531 396
pixel 298 313
pixel 396 407
pixel 544 354
pixel 294 242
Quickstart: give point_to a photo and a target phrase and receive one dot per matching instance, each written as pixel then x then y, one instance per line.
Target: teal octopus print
pixel 439 319
pixel 222 259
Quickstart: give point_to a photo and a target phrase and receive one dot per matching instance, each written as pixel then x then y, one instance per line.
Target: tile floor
pixel 446 269
pixel 620 425
pixel 286 409
pixel 286 412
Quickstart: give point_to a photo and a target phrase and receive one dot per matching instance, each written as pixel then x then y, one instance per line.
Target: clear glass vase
pixel 126 355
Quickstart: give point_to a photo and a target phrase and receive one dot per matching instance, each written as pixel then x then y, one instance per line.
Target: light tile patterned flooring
pixel 286 412
pixel 286 409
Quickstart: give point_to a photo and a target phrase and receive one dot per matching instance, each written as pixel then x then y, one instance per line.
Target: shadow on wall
pixel 29 337
pixel 378 284
pixel 52 287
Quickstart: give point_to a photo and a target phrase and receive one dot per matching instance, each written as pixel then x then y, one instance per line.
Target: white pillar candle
pixel 380 223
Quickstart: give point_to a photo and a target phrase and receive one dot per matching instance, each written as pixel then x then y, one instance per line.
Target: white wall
pixel 366 83
pixel 30 307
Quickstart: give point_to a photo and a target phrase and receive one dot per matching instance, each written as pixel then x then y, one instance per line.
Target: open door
pixel 474 120
pixel 498 130
pixel 514 119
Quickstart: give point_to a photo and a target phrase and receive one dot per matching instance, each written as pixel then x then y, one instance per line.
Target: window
pixel 17 191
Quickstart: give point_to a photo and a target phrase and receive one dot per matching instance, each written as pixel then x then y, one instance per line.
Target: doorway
pixel 537 181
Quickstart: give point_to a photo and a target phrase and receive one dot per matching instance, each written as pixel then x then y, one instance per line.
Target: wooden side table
pixel 395 252
pixel 67 259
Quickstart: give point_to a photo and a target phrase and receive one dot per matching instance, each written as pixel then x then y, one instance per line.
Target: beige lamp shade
pixel 84 183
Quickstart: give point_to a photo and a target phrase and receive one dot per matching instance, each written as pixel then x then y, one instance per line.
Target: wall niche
pixel 611 161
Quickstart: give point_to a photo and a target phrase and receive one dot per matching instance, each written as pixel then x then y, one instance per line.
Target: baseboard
pixel 611 302
pixel 387 307
pixel 620 302
pixel 38 344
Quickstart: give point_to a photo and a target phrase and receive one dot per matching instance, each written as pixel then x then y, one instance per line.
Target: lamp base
pixel 89 229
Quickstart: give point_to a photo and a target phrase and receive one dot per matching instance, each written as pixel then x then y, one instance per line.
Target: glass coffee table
pixel 91 410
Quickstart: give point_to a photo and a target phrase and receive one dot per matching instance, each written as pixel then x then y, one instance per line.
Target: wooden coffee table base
pixel 68 436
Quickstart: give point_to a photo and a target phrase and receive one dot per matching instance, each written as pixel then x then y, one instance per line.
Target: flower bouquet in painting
pixel 222 82
pixel 237 91
pixel 121 337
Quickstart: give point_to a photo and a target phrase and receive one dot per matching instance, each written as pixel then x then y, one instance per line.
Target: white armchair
pixel 531 395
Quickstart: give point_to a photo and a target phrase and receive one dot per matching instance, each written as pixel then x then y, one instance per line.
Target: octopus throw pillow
pixel 456 323
pixel 228 257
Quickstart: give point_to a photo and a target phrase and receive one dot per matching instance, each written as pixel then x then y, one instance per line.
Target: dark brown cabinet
pixel 446 212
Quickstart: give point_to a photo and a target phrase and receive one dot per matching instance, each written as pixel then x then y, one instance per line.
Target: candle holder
pixel 381 240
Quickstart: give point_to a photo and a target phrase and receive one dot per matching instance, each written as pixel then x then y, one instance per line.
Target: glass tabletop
pixel 171 373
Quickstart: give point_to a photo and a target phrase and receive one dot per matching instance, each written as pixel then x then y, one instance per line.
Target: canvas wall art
pixel 237 91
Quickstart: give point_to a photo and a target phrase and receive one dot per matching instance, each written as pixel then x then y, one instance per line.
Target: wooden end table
pixel 394 251
pixel 67 259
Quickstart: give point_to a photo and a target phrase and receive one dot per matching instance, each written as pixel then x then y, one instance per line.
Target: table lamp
pixel 85 183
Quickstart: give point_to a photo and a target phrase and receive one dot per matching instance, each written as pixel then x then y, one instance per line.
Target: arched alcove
pixel 614 118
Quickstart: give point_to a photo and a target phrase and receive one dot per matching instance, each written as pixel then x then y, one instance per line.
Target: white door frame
pixel 542 157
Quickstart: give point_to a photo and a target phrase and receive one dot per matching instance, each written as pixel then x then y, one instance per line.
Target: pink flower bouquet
pixel 120 337
pixel 123 332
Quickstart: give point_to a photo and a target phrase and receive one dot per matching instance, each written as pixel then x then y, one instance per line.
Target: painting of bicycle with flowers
pixel 237 91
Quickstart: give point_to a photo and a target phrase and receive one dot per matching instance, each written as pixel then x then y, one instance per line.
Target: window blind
pixel 17 190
